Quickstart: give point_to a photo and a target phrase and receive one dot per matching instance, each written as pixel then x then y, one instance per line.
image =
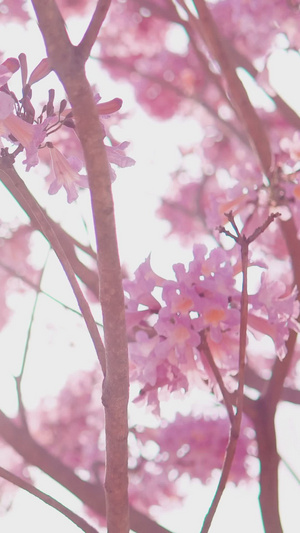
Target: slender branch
pixel 264 425
pixel 274 388
pixel 49 231
pixel 21 407
pixel 46 498
pixel 263 414
pixel 246 112
pixel 244 243
pixel 90 36
pixel 89 277
pixel 240 60
pixel 254 381
pixel 227 127
pixel 290 469
pixel 14 273
pixel 263 418
pixel 290 234
pixel 236 424
pixel 263 227
pixel 226 396
pixel 18 379
pixel 290 395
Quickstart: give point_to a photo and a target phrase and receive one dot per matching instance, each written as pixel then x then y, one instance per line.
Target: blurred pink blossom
pixel 65 173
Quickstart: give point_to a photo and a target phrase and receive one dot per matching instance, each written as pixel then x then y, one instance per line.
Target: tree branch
pixel 9 173
pixel 87 276
pixel 70 68
pixel 90 494
pixel 46 498
pixel 274 388
pixel 290 232
pixel 254 381
pixel 246 112
pixel 228 128
pixel 226 396
pixel 240 60
pixel 269 460
pixel 236 423
pixel 35 287
pixel 90 36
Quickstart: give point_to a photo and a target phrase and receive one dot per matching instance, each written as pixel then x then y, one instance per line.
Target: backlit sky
pixel 137 192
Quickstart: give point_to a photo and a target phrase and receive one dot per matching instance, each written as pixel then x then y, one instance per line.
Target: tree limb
pixel 87 276
pixel 46 498
pixel 90 36
pixel 89 493
pixel 70 68
pixel 9 174
pixel 246 112
pixel 236 423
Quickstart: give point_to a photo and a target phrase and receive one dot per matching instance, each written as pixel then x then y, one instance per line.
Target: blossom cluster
pixel 76 408
pixel 195 445
pixel 16 272
pixel 20 126
pixel 177 325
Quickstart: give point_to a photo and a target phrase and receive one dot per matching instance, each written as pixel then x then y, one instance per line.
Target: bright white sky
pixel 137 192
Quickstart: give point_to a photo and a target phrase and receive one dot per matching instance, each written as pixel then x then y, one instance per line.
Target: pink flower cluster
pixel 196 445
pixel 172 324
pixel 18 125
pixel 14 252
pixel 70 425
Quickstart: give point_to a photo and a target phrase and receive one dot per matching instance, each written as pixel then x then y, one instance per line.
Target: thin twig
pixel 90 36
pixel 236 424
pixel 30 283
pixel 52 237
pixel 88 276
pixel 290 469
pixel 243 242
pixel 226 126
pixel 226 396
pixel 239 97
pixel 75 518
pixel 18 379
pixel 240 60
pixel 263 227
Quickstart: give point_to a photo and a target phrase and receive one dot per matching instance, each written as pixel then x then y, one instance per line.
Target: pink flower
pixel 195 445
pixel 274 312
pixel 40 71
pixel 106 108
pixel 66 174
pixel 178 342
pixel 14 253
pixel 30 136
pixel 116 155
pixel 7 69
pixel 141 287
pixel 168 345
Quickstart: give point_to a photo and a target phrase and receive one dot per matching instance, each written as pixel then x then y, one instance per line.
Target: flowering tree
pixel 236 207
